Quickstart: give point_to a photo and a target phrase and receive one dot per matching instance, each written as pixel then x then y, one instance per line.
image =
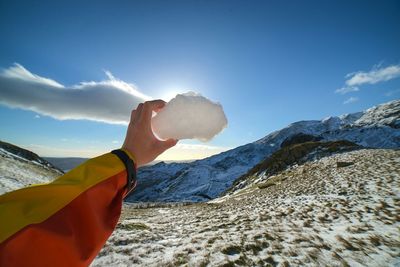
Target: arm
pixel 66 222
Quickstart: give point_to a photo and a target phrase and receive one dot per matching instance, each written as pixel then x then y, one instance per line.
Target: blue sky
pixel 269 63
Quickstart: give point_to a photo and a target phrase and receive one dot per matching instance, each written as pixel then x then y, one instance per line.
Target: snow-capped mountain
pixel 201 180
pixel 20 167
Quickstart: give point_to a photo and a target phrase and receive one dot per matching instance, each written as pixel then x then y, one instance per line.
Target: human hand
pixel 140 140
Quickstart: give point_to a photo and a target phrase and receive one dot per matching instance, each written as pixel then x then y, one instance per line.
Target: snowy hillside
pixel 206 179
pixel 20 168
pixel 315 214
pixel 288 156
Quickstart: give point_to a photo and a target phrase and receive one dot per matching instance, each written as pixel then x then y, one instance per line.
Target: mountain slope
pixel 20 167
pixel 319 214
pixel 287 157
pixel 205 179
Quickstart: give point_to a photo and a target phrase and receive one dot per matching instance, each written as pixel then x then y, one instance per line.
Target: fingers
pixel 136 113
pixel 151 106
pixel 133 115
pixel 145 109
pixel 140 110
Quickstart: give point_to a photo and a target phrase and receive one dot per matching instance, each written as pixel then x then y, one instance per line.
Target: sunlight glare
pixel 170 93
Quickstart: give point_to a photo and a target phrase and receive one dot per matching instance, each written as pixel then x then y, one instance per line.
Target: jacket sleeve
pixel 65 222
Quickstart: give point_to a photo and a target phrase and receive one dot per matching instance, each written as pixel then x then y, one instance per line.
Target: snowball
pixel 189 116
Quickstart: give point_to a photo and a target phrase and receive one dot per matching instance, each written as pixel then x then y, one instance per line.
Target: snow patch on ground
pixel 319 215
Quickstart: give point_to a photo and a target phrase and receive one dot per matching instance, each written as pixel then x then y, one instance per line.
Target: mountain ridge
pixel 204 179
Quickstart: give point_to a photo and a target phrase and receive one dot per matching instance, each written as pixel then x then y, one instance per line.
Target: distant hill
pixel 69 163
pixel 65 164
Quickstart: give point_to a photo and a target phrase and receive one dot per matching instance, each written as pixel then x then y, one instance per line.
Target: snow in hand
pixel 189 116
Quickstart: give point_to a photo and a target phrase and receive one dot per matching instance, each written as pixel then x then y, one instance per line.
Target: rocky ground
pixel 316 214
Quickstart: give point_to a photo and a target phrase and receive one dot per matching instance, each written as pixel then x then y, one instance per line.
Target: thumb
pixel 167 144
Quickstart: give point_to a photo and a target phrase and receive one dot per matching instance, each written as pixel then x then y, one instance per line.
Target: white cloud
pixel 376 75
pixel 350 100
pixel 107 101
pixel 114 141
pixel 347 89
pixel 393 92
pixel 19 72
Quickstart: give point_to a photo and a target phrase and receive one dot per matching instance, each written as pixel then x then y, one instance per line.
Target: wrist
pixel 130 166
pixel 133 154
pixel 130 154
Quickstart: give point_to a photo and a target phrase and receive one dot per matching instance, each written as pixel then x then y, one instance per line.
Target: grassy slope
pixel 318 215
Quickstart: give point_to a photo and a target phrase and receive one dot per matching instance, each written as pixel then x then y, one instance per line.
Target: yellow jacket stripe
pixel 35 204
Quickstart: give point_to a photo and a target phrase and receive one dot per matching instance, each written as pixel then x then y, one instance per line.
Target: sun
pixel 170 93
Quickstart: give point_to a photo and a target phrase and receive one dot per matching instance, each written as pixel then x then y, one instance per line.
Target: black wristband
pixel 130 168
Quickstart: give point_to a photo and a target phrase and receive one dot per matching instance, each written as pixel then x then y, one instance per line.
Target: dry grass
pixel 290 223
